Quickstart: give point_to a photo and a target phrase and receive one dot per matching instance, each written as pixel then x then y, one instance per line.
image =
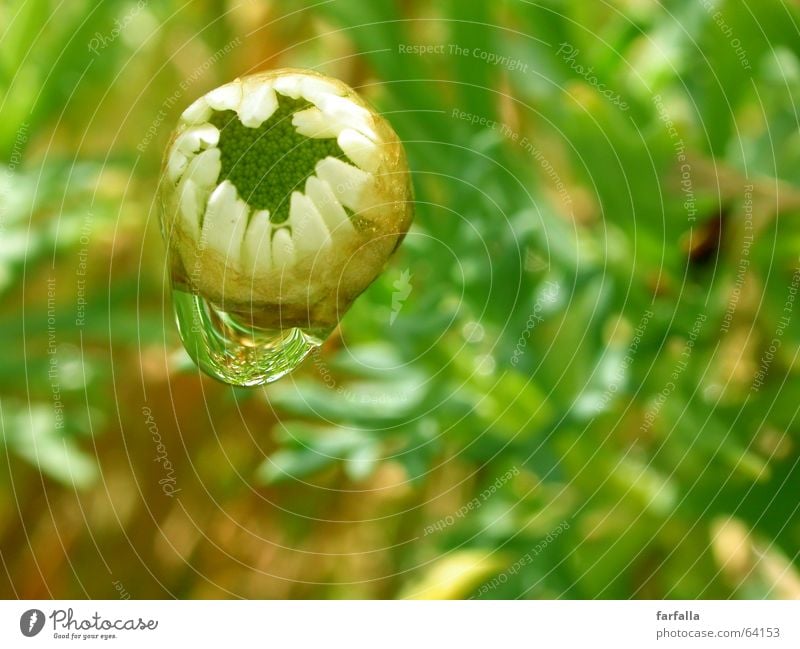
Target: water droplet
pixel 283 195
pixel 235 352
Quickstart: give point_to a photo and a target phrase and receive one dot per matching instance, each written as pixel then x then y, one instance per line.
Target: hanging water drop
pixel 283 195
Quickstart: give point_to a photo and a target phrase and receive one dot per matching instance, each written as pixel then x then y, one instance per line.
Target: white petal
pixel 314 88
pixel 282 248
pixel 189 207
pixel 193 137
pixel 222 198
pixel 225 222
pixel 258 103
pixel 289 85
pixel 311 123
pixel 176 165
pixel 347 114
pixel 257 248
pixel 308 229
pixel 328 206
pixel 346 181
pixel 197 113
pixel 227 97
pixel 360 149
pixel 205 167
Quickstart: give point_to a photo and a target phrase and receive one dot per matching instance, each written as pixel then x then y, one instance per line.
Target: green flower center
pixel 266 164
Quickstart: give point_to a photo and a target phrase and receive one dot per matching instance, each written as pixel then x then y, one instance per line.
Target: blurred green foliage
pixel 597 297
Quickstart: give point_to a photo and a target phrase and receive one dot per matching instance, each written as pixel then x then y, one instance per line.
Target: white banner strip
pixel 403 624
